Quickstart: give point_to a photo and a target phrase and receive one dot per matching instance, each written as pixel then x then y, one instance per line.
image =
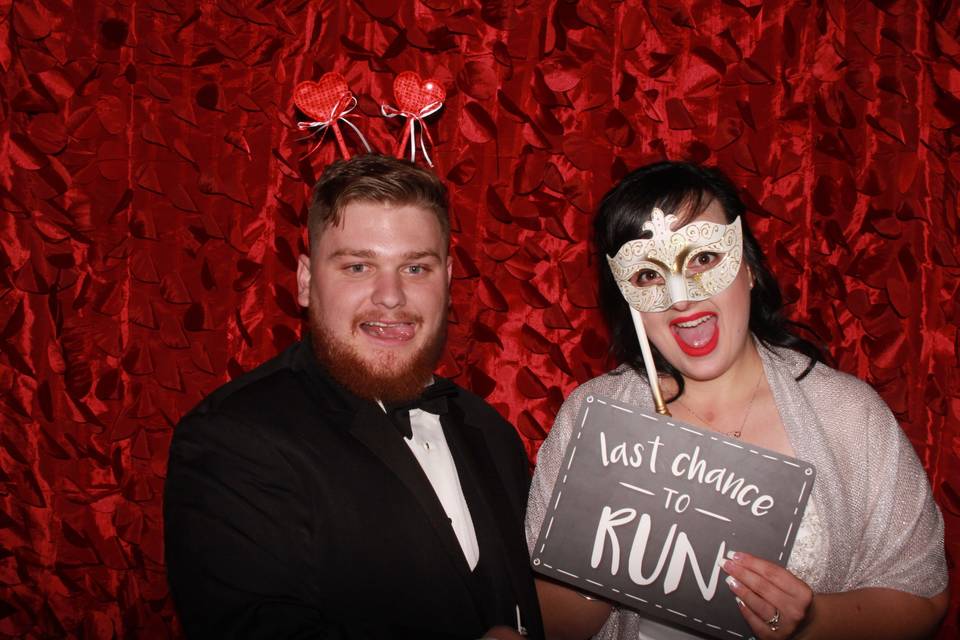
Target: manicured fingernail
pixel 731 554
pixel 732 582
pixel 739 602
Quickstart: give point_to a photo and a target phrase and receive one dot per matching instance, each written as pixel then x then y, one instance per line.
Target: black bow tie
pixel 432 400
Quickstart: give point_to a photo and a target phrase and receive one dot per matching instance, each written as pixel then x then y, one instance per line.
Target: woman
pixel 868 560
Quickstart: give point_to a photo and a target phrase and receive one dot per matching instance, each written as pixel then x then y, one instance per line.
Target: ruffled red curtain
pixel 152 205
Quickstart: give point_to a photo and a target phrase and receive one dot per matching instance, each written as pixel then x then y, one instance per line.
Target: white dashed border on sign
pixel 657 418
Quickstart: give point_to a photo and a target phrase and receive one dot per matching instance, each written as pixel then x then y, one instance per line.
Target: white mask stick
pixel 652 376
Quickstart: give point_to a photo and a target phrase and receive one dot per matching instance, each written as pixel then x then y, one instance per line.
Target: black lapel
pixel 475 464
pixel 373 429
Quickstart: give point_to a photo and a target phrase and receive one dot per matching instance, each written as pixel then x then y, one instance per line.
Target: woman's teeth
pixel 693 323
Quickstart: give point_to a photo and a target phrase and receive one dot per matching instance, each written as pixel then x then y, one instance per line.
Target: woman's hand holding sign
pixel 774 602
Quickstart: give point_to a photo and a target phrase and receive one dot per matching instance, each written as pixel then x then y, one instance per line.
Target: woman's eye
pixel 703 261
pixel 646 278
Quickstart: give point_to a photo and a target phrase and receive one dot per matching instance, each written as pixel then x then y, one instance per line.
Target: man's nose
pixel 388 290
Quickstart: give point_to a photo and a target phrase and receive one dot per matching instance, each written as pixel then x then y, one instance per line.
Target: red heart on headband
pixel 413 94
pixel 319 99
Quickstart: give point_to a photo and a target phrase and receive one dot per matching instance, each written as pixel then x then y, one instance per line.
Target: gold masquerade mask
pixel 695 262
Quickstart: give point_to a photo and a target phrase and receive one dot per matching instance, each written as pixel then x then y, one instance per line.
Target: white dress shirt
pixel 429 446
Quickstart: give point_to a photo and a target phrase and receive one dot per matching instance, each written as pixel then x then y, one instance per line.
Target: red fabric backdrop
pixel 152 194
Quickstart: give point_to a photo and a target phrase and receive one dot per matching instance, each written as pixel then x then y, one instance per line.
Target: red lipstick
pixel 698 340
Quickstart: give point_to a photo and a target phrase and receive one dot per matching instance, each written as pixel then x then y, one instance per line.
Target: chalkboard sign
pixel 646 507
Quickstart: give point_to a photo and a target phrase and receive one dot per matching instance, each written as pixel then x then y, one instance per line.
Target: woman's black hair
pixel 676 187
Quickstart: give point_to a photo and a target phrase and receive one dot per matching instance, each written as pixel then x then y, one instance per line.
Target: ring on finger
pixel 774 622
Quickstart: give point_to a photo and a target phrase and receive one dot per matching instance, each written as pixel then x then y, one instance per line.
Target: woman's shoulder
pixel 833 394
pixel 822 375
pixel 622 383
pixel 853 391
pixel 609 381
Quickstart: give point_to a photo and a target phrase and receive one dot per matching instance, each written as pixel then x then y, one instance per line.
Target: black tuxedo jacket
pixel 293 509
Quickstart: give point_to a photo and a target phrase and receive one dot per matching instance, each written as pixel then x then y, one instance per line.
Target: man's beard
pixel 388 378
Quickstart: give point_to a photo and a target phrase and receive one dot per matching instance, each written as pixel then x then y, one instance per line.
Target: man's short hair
pixel 378 179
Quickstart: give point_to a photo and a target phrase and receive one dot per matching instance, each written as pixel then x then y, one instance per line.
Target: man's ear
pixel 303 281
pixel 449 269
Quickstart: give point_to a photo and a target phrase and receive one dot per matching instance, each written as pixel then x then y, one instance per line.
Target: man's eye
pixel 416 269
pixel 646 278
pixel 356 268
pixel 703 261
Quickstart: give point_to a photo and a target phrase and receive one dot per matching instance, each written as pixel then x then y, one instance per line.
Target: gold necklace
pixel 746 414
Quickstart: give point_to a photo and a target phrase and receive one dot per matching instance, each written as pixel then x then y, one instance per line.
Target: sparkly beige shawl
pixel 875 521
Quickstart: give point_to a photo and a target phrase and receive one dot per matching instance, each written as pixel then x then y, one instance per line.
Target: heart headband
pixel 329 102
pixel 417 99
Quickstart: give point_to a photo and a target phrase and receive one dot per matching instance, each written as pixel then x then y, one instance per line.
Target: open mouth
pixel 697 335
pixel 389 330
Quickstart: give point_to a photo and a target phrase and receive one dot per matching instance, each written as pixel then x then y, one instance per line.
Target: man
pixel 302 502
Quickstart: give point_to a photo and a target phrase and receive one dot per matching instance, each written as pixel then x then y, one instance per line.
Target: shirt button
pixel 426 445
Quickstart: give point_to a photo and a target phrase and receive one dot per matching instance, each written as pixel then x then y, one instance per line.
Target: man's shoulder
pixel 275 383
pixel 478 410
pixel 481 414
